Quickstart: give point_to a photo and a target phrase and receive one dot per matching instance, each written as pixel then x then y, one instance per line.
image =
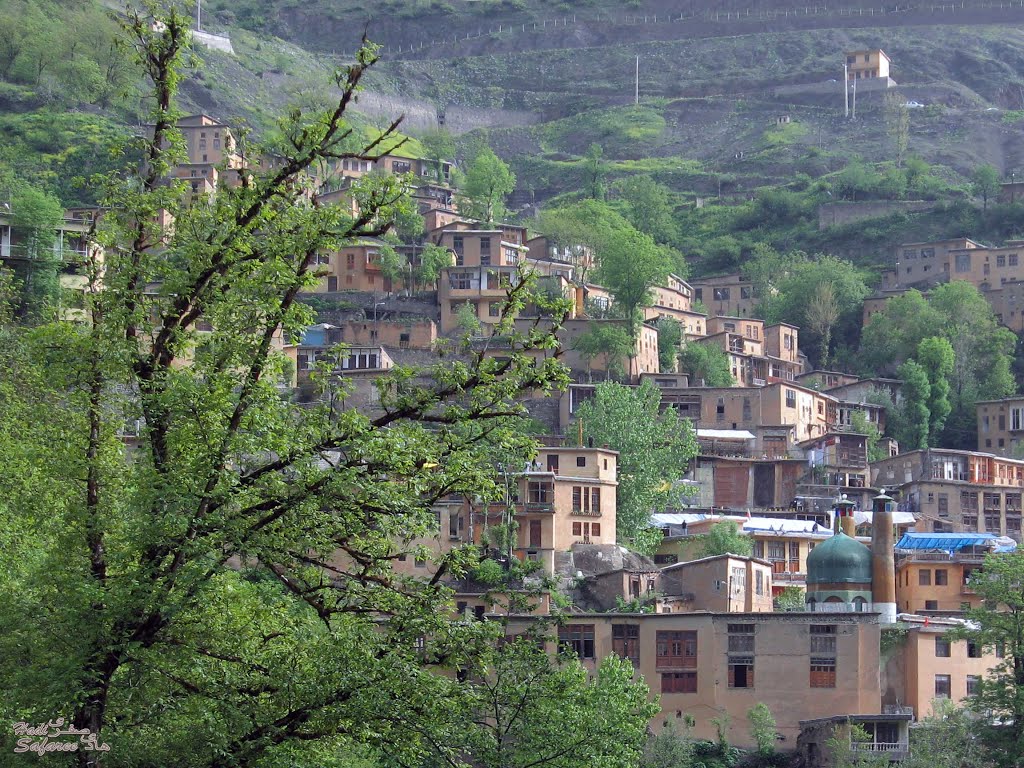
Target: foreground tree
pixel 520 709
pixel 997 625
pixel 223 594
pixel 654 450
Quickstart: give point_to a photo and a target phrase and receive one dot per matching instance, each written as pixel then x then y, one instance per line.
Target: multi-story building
pixel 705 664
pixel 867 64
pixel 674 299
pixel 952 491
pixel 1001 426
pixel 356 267
pixel 929 667
pixel 564 497
pixel 933 570
pixel 721 584
pixel 783 544
pixel 73 251
pixel 727 295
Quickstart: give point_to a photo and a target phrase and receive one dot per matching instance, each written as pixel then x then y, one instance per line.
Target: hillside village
pixel 849 557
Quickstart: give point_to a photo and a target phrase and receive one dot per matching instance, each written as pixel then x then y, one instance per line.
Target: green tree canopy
pixel 234 567
pixel 608 338
pixel 433 259
pixel 996 625
pixel 706 363
pixel 631 263
pixel 824 296
pixel 915 416
pixel 35 218
pixel 438 147
pixel 648 207
pixel 725 538
pixel 519 708
pixel 670 336
pixel 654 450
pixel 982 350
pixel 484 187
pixel 985 183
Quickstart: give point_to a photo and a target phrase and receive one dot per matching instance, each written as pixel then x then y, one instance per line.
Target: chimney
pixel 883 559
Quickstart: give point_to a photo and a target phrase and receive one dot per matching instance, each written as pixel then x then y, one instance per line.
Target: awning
pixel 725 434
pixel 946 542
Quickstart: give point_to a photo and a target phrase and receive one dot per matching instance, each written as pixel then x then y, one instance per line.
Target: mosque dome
pixel 839 560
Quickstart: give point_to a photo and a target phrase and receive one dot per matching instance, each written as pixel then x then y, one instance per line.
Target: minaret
pixel 844 511
pixel 883 559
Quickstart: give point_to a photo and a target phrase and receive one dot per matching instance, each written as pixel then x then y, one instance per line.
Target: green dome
pixel 839 560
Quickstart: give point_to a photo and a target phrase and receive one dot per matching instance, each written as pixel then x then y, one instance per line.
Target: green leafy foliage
pixel 654 448
pixel 234 568
pixel 670 336
pixel 791 599
pixel 608 340
pixel 706 363
pixel 997 626
pixel 985 183
pixel 630 264
pixel 519 708
pixel 484 186
pixel 725 538
pixel 982 353
pixel 825 296
pixel 762 727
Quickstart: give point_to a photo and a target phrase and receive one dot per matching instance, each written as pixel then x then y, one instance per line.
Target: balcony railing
pixel 789 576
pixel 894 750
pixel 538 506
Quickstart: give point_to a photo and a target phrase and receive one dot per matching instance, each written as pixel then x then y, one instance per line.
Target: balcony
pixel 532 507
pixel 758 382
pixel 898 750
pixel 790 576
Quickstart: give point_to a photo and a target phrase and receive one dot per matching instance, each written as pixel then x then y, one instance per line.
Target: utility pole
pixel 199 15
pixel 846 88
pixel 636 92
pixel 855 99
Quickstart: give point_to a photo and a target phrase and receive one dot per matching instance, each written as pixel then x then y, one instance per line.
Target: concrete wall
pixel 840 213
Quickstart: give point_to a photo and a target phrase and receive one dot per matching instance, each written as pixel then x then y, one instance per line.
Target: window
pixel 350 260
pixel 676 649
pixel 942 648
pixel 581 461
pixel 963 262
pixel 973 682
pixel 823 656
pixel 626 642
pixel 678 682
pixel 931 605
pixel 943 505
pixel 924 577
pixel 790 398
pixel 1013 259
pixel 942 686
pixel 941 577
pixel 494 309
pixel 741 671
pixel 577 499
pixel 578 638
pixel 741 655
pixel 485 251
pixel 973 650
pixel 595 529
pixel 577 529
pixel 595 502
pixel 721 294
pixel 759 582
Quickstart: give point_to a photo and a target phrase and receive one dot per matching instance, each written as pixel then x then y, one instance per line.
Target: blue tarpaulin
pixel 948 542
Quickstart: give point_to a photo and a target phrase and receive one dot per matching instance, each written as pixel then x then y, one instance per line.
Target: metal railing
pixel 875 747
